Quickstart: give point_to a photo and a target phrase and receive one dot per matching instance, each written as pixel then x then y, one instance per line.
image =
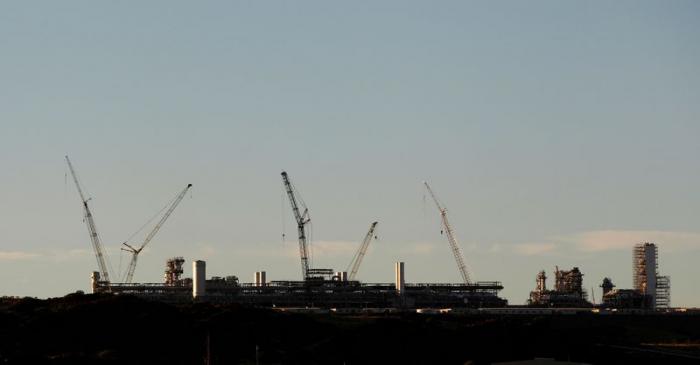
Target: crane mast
pixel 302 220
pixel 450 237
pixel 92 229
pixel 361 251
pixel 136 251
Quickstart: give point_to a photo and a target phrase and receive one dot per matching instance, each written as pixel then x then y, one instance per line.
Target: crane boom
pixel 451 237
pixel 302 220
pixel 136 251
pixel 361 251
pixel 92 229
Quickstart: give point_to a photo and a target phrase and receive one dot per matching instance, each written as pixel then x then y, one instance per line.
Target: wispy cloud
pixel 17 255
pixel 67 255
pixel 52 256
pixel 420 248
pixel 607 240
pixel 531 249
pixel 334 248
pixel 291 249
pixel 610 240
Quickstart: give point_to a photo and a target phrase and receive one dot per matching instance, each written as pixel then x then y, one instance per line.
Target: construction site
pixel 325 288
pixel 317 287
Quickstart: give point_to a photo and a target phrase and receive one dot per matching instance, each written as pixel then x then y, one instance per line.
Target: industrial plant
pixel 339 290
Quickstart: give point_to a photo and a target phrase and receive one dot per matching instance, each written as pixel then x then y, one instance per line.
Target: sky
pixel 557 133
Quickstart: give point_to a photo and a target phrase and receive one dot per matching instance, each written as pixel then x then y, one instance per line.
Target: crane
pixel 136 251
pixel 92 229
pixel 360 254
pixel 447 228
pixel 302 219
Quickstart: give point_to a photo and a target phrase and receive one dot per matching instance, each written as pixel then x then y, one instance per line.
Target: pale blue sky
pixel 557 133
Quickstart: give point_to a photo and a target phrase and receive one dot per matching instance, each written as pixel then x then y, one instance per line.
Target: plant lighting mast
pixel 90 222
pixel 302 219
pixel 361 251
pixel 136 251
pixel 450 237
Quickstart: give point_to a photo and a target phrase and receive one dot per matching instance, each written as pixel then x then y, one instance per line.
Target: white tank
pixel 199 278
pixel 400 279
pixel 260 279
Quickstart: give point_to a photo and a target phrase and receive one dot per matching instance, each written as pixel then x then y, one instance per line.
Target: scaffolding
pixel 646 277
pixel 173 271
pixel 644 268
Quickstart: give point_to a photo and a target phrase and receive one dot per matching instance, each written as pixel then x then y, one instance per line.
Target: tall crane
pixel 92 229
pixel 136 251
pixel 447 228
pixel 302 219
pixel 360 254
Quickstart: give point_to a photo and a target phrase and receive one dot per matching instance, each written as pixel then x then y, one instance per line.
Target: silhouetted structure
pixel 568 290
pixel 646 278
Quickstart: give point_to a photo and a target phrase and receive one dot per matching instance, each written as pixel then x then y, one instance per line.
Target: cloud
pixel 531 249
pixel 17 255
pixel 51 256
pixel 67 255
pixel 606 240
pixel 291 249
pixel 610 240
pixel 421 248
pixel 334 248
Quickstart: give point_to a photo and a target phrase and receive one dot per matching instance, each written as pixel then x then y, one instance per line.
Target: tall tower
pixel 646 278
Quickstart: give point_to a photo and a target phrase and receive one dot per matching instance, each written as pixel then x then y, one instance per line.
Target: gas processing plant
pixel 327 288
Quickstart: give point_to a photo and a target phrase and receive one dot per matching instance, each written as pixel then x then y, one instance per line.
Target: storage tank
pixel 199 278
pixel 400 280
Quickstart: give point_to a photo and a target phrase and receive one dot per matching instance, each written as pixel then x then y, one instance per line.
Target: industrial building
pixel 646 279
pixel 568 290
pixel 623 298
pixel 318 287
pixel 335 293
pixel 327 288
pixel 651 290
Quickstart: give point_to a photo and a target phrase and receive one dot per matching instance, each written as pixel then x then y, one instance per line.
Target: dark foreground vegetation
pixel 105 329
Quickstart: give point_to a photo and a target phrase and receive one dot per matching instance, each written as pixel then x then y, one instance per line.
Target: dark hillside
pixel 106 329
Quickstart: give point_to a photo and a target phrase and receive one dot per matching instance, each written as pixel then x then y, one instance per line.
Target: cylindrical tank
pixel 400 280
pixel 199 278
pixel 260 278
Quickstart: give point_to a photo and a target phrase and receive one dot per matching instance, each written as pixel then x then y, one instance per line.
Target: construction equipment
pixel 302 220
pixel 447 228
pixel 360 254
pixel 92 229
pixel 136 251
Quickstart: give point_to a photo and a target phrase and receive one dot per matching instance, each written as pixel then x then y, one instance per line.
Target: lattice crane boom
pixel 302 220
pixel 136 251
pixel 451 237
pixel 92 229
pixel 361 251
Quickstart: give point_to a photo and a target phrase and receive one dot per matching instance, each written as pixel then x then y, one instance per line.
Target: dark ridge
pixel 108 329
